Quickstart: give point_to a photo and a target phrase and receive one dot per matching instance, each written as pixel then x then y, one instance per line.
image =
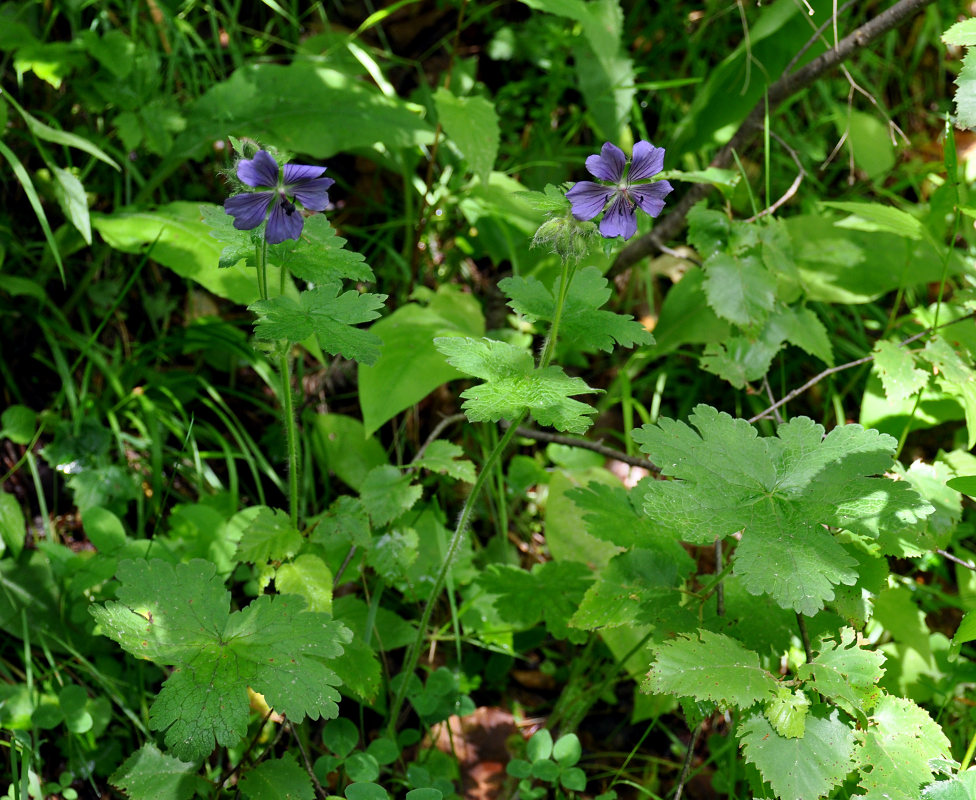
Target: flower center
pixel 288 205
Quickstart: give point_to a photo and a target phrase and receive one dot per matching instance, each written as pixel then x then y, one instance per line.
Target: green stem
pixel 487 469
pixel 550 349
pixel 413 654
pixel 291 435
pixel 287 396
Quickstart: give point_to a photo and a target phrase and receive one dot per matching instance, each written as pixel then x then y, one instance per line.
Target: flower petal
pixel 294 173
pixel 588 199
pixel 647 162
pixel 248 209
pixel 609 165
pixel 619 220
pixel 284 223
pixel 650 196
pixel 262 170
pixel 312 194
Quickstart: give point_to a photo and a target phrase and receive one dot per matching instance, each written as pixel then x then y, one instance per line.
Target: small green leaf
pixel 545 770
pixel 519 768
pixel 573 779
pixel 787 712
pixel 874 217
pixel 846 673
pixel 567 750
pixel 961 34
pixel 387 493
pixel 307 576
pixel 513 385
pixel 269 537
pixel 739 288
pixel 898 372
pixel 539 747
pixel 445 457
pixel 966 632
pixel 340 736
pixel 366 791
pixel 13 526
pixel 362 767
pixel 18 423
pixel 277 779
pixel 327 314
pixel 584 326
pixel 70 194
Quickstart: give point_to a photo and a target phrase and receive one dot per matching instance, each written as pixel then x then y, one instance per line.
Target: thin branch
pixel 686 766
pixel 596 447
pixel 857 362
pixel 787 85
pixel 956 559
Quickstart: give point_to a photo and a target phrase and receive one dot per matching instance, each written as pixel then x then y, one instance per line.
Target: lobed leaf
pixel 514 385
pixel 327 314
pixel 179 615
pixel 781 493
pixel 583 326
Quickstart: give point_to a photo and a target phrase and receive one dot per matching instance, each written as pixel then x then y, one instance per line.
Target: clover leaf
pixel 179 615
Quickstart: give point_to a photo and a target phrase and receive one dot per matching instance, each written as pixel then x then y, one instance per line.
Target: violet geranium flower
pixel 280 189
pixel 588 198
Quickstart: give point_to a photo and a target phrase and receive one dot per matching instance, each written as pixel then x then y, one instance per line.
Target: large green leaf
pixel 180 616
pixel 176 236
pixel 781 493
pixel 304 107
pixel 410 367
pixel 898 745
pixel 149 774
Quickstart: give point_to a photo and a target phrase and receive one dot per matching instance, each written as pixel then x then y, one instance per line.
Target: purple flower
pixel 588 198
pixel 280 190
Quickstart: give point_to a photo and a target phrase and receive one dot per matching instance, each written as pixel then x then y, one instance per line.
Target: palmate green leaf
pixel 609 513
pixel 896 749
pixel 710 666
pixel 550 592
pixel 179 615
pixel 270 536
pixel 803 768
pixel 149 774
pixel 514 385
pixel 584 326
pixel 846 673
pixel 327 314
pixel 637 587
pixel 277 779
pixel 780 492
